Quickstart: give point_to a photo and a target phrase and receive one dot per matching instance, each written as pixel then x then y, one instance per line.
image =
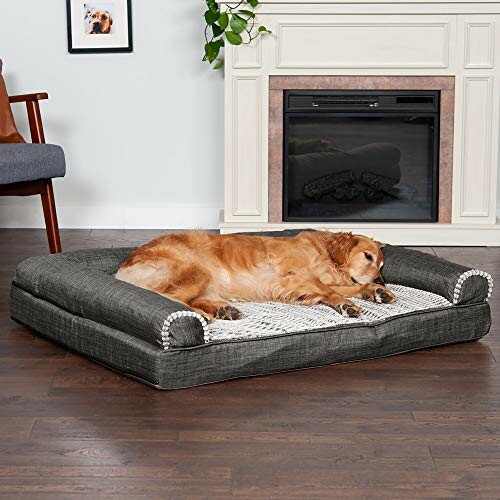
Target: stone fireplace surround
pixel 330 45
pixel 278 84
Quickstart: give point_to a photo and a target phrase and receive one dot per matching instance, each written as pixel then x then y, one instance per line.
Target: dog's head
pixel 100 22
pixel 358 256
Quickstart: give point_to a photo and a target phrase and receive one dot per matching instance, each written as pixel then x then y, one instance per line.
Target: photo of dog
pixel 98 18
pixel 207 272
pixel 100 26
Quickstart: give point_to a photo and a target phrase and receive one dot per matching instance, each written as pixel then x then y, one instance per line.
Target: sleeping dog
pixel 100 22
pixel 206 271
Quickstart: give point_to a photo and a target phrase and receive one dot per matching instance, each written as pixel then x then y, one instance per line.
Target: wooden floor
pixel 419 425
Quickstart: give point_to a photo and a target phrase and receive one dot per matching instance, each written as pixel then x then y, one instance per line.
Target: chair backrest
pixel 8 129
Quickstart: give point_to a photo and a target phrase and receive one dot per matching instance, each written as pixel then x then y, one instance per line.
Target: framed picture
pixel 99 26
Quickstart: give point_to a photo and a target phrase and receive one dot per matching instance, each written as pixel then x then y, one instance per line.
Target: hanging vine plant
pixel 232 24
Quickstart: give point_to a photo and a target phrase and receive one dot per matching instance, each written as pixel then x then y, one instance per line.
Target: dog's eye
pixel 369 256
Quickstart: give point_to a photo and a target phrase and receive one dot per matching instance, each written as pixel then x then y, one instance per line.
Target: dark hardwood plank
pixel 15 428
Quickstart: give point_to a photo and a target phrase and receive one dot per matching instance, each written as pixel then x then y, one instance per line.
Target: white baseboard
pixel 30 215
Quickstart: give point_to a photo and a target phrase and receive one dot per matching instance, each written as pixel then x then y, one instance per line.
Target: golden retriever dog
pixel 100 22
pixel 207 272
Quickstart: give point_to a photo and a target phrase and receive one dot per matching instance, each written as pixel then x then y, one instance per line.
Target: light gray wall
pixel 143 132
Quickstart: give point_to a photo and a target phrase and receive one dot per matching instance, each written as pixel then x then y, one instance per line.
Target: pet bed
pixel 74 299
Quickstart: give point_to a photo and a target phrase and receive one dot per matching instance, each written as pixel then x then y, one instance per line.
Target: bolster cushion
pixel 82 283
pixel 458 284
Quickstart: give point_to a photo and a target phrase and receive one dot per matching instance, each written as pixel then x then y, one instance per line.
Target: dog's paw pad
pixel 383 296
pixel 229 313
pixel 348 310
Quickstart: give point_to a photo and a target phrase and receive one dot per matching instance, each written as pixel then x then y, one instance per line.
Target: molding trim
pixel 255 47
pixel 484 212
pixel 490 49
pixel 257 127
pixel 360 65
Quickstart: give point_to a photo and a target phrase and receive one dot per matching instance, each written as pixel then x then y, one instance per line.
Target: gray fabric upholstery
pixel 74 299
pixel 226 360
pixel 75 283
pixel 214 362
pixel 116 349
pixel 82 283
pixel 427 272
pixel 30 162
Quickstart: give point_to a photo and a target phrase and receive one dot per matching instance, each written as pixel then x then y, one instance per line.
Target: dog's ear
pixel 110 18
pixel 340 246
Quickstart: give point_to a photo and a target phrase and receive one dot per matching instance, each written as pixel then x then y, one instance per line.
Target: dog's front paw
pixel 348 309
pixel 229 313
pixel 378 294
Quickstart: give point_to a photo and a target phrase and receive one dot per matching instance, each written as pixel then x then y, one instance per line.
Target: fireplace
pixel 361 155
pixel 397 171
pixel 369 49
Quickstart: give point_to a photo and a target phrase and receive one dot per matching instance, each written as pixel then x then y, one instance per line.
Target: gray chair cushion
pixel 30 162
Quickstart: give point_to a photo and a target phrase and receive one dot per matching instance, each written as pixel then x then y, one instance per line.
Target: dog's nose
pixel 379 281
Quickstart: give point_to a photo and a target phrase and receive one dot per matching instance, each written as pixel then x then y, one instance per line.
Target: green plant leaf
pixel 233 38
pixel 223 21
pixel 232 23
pixel 212 51
pixel 211 17
pixel 238 24
pixel 248 13
pixel 217 30
pixel 212 5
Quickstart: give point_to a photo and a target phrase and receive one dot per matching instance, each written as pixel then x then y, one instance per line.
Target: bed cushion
pixel 75 300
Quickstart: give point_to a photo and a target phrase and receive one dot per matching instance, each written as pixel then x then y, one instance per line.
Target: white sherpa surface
pixel 264 319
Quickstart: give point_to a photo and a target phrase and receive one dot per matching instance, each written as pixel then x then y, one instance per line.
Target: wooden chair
pixel 43 186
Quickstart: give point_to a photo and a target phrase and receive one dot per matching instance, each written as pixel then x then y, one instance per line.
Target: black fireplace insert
pixel 361 156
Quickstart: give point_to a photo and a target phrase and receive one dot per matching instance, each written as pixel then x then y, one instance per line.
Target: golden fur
pixel 100 22
pixel 206 271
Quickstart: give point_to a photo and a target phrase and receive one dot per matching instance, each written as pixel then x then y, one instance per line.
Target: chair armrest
pixel 28 97
pixel 458 284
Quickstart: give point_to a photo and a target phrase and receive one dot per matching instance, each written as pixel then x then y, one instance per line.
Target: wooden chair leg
pixel 50 215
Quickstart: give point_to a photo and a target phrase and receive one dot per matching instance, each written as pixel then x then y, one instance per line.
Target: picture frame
pixel 99 26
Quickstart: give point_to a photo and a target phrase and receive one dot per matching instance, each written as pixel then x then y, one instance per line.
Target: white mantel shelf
pixel 418 38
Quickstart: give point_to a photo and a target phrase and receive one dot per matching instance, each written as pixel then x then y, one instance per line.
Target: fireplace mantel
pixel 365 38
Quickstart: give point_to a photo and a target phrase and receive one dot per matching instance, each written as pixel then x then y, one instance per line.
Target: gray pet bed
pixel 74 299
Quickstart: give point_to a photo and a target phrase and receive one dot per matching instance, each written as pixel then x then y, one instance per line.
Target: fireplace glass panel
pixel 364 156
